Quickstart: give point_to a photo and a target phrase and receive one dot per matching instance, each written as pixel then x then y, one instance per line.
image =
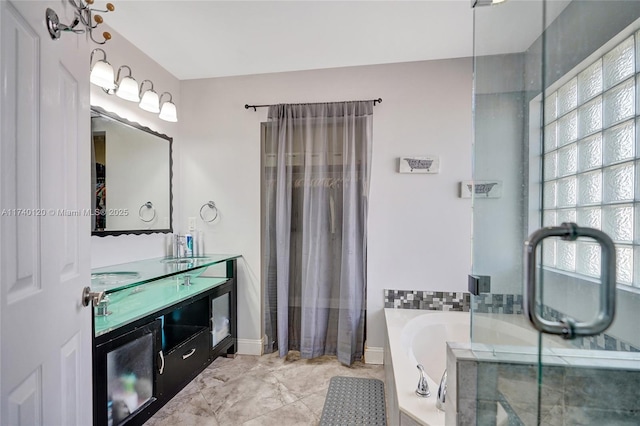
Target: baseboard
pixel 249 346
pixel 373 355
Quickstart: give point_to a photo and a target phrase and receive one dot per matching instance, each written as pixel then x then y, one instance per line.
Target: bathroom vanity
pixel 160 323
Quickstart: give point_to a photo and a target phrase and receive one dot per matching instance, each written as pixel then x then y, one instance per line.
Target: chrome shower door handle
pixel 567 327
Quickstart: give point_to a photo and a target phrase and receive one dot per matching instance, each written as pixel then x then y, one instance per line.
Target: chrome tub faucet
pixel 423 387
pixel 442 392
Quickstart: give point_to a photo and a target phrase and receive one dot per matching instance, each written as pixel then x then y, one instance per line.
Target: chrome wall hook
pixel 84 15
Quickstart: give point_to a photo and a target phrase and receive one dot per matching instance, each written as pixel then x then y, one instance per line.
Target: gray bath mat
pixel 354 401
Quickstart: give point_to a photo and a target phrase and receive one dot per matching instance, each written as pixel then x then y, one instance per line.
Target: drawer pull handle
pixel 187 355
pixel 161 359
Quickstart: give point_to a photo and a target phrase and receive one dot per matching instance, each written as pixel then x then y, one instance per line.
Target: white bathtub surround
pixel 421 336
pixel 418 336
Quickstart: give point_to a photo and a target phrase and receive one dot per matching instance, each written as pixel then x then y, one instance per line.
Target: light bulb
pixel 168 112
pixel 128 89
pixel 150 101
pixel 102 75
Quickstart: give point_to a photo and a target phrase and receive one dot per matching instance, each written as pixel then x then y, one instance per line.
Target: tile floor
pixel 256 391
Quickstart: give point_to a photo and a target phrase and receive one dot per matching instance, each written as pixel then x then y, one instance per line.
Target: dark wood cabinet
pixel 125 379
pixel 141 365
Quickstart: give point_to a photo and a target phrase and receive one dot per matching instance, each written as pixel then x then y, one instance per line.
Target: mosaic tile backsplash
pixel 429 300
pixel 453 301
pixel 498 304
pixel 493 304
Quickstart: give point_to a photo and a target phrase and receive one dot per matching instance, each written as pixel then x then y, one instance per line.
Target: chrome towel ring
pixel 148 205
pixel 213 207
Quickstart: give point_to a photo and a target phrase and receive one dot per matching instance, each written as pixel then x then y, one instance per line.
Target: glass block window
pixel 591 163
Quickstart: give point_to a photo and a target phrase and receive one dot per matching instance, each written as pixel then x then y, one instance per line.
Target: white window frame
pixel 554 214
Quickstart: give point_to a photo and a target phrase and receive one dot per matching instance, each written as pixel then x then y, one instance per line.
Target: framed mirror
pixel 131 177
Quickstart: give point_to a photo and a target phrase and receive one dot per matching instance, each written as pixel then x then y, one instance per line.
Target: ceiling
pixel 203 39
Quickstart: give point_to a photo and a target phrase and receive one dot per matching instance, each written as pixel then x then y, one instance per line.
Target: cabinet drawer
pixel 185 361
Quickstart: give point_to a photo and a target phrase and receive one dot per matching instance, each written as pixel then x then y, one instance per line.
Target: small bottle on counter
pixel 176 245
pixel 200 243
pixel 188 238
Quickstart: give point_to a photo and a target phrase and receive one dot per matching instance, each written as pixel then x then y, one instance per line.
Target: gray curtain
pixel 317 180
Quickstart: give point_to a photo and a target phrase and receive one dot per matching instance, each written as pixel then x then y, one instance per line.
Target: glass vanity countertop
pixel 114 278
pixel 131 304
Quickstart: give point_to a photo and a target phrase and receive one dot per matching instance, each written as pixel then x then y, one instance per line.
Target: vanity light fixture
pixel 127 87
pixel 149 99
pixel 168 111
pixel 101 72
pixel 83 15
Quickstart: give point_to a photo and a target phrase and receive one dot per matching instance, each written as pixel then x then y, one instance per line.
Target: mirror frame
pixel 116 117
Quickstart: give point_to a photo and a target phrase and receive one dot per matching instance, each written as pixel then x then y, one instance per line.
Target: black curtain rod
pixel 255 107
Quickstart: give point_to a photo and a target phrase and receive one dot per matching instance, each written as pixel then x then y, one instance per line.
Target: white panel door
pixel 45 345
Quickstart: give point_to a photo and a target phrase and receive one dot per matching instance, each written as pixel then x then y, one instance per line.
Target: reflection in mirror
pixel 131 177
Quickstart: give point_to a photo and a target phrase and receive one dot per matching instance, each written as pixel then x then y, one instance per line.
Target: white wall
pixel 125 248
pixel 419 230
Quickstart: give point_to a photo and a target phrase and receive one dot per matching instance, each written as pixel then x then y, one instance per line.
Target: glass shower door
pixel 557 133
pixel 589 169
pixel 506 75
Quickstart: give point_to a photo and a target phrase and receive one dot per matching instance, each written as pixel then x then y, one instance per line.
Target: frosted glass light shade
pixel 128 89
pixel 168 112
pixel 102 75
pixel 150 101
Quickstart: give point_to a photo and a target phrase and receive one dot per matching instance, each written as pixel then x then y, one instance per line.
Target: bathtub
pixel 421 336
pixel 418 337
